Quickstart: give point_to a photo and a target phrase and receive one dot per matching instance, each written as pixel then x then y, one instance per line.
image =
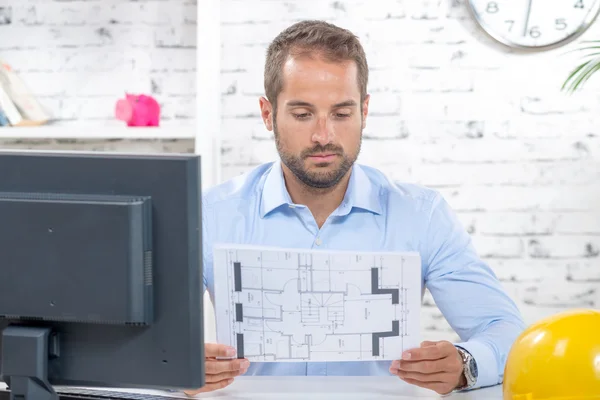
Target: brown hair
pixel 319 37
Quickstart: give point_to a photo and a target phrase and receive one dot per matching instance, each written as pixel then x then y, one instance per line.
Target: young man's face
pixel 318 124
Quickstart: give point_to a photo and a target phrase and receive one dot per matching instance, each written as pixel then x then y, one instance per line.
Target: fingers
pixel 209 387
pixel 423 367
pixel 223 376
pixel 429 351
pixel 220 373
pixel 214 367
pixel 439 377
pixel 447 364
pixel 220 380
pixel 423 353
pixel 439 387
pixel 434 365
pixel 213 350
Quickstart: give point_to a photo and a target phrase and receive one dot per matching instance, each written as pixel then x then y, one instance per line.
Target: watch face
pixel 534 24
pixel 473 366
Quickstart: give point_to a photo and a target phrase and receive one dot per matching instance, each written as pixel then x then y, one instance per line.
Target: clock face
pixel 534 23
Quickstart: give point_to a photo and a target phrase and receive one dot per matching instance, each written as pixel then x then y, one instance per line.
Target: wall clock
pixel 534 24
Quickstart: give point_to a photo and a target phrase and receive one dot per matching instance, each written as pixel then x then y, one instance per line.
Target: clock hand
pixel 527 17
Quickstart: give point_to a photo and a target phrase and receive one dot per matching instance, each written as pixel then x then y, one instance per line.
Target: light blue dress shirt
pixel 376 214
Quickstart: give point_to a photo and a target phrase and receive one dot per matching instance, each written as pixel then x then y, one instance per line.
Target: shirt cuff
pixel 487 369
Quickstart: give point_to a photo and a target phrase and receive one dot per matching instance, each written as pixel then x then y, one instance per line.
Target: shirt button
pixel 318 242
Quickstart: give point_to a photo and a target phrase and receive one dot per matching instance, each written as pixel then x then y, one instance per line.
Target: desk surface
pixel 317 388
pixel 347 388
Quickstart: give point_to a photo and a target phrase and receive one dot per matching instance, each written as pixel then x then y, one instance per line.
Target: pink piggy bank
pixel 138 110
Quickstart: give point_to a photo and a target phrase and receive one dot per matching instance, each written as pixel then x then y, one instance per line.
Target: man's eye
pixel 301 116
pixel 342 115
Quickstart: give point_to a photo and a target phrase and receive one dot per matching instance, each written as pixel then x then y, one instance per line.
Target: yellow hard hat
pixel 556 358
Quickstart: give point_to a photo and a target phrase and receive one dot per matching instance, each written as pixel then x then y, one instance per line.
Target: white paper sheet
pixel 285 305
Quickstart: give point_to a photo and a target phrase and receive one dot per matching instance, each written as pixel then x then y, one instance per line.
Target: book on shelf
pixel 18 105
pixel 3 118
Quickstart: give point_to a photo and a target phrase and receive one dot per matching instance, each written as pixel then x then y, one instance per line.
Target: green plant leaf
pixel 571 82
pixel 584 71
pixel 589 71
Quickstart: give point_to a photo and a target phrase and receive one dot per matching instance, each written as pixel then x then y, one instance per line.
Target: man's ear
pixel 365 110
pixel 266 112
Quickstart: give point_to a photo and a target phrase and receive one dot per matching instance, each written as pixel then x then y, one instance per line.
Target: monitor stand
pixel 26 352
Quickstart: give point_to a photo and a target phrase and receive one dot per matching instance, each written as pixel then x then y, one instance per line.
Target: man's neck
pixel 320 202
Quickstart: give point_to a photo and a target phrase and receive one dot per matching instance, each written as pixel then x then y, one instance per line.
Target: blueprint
pixel 275 304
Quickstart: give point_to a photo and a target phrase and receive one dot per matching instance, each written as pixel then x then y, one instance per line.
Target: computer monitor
pixel 100 271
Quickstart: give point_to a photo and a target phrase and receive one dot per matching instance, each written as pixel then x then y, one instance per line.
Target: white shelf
pixel 98 132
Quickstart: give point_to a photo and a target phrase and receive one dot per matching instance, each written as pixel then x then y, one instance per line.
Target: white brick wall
pixel 489 128
pixel 519 160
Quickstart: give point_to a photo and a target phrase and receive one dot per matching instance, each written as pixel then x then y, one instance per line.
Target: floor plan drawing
pixel 315 305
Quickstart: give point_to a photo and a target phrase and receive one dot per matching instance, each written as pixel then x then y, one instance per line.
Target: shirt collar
pixel 274 193
pixel 361 193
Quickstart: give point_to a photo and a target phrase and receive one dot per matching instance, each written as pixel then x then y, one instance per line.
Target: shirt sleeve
pixel 469 295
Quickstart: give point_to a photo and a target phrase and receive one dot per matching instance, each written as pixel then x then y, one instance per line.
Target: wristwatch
pixel 469 368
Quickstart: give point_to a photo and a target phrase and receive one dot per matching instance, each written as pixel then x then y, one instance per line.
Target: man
pixel 317 104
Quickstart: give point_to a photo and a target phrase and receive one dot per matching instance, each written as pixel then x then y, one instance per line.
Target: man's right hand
pixel 220 373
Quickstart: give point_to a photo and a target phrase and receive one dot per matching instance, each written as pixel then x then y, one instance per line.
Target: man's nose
pixel 323 132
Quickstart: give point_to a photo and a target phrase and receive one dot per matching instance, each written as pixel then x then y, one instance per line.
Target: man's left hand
pixel 434 365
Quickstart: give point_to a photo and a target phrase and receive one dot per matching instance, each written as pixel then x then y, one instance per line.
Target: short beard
pixel 315 180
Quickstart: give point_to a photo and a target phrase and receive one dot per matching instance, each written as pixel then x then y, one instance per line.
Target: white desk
pixel 330 388
pixel 317 388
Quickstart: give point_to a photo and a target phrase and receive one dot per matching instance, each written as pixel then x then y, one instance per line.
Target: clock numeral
pixel 510 23
pixel 492 7
pixel 579 4
pixel 534 32
pixel 561 25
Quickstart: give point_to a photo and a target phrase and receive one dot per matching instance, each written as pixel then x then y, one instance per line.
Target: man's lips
pixel 323 157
